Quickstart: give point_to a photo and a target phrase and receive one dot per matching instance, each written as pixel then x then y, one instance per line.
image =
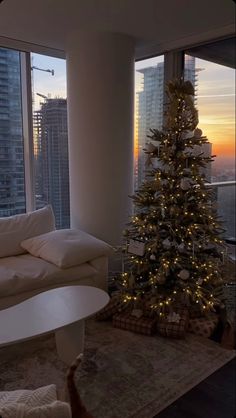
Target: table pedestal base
pixel 70 341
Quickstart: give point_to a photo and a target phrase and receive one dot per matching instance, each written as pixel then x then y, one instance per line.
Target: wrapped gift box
pixel 203 326
pixel 174 324
pixel 141 325
pixel 114 306
pixel 195 311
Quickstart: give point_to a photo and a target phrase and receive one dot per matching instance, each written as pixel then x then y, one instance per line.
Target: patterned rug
pixel 123 375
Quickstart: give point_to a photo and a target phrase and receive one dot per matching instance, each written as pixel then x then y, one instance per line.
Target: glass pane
pixel 215 100
pixel 50 136
pixel 149 91
pixel 149 95
pixel 12 184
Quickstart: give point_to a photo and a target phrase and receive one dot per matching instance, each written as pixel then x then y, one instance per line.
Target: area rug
pixel 123 375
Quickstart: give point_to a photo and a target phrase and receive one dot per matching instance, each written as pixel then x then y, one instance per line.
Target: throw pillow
pixel 66 247
pixel 17 228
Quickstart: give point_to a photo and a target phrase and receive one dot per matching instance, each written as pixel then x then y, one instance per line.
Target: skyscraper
pixel 150 108
pixel 12 189
pixel 51 159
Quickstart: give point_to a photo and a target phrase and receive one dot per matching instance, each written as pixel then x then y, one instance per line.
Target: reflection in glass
pixel 12 184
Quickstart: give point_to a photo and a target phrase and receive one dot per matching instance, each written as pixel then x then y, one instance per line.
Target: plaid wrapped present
pixel 195 311
pixel 174 324
pixel 204 326
pixel 141 325
pixel 114 306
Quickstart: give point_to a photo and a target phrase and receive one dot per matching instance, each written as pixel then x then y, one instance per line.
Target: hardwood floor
pixel 215 397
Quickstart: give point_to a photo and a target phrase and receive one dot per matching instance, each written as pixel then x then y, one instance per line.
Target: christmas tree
pixel 173 245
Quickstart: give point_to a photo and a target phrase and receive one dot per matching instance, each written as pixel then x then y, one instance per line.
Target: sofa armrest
pixel 101 265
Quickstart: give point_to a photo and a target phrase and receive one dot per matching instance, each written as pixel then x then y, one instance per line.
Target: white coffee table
pixel 62 310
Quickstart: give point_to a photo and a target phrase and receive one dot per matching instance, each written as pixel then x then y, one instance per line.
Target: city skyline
pixel 52 133
pixel 215 97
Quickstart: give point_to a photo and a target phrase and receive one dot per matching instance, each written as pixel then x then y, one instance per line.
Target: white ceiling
pixel 157 25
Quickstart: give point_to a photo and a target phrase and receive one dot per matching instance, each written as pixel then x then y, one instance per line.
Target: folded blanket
pixel 37 397
pixel 38 403
pixel 56 409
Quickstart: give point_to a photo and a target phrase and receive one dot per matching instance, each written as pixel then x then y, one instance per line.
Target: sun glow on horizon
pixel 216 106
pixel 215 94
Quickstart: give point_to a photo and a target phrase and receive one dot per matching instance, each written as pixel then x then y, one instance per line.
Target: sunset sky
pixel 216 106
pixel 215 102
pixel 215 96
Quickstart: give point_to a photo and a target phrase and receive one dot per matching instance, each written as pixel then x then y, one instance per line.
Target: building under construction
pixel 51 159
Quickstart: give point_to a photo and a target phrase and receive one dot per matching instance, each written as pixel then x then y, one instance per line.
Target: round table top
pixel 49 311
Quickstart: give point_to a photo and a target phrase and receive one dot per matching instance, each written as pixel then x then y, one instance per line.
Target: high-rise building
pixel 51 159
pixel 12 188
pixel 149 112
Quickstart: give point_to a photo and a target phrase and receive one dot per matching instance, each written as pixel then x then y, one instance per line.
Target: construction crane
pixel 33 67
pixel 42 95
pixel 42 69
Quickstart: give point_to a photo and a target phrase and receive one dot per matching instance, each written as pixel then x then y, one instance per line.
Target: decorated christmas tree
pixel 173 249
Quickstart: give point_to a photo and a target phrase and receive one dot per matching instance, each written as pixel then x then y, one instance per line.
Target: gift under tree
pixel 173 246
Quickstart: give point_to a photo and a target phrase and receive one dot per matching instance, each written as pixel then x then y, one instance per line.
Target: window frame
pixel 173 68
pixel 27 122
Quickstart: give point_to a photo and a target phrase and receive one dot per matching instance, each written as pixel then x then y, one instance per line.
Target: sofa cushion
pixel 15 229
pixel 66 247
pixel 25 273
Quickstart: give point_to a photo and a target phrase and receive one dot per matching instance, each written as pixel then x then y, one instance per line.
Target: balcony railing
pixel 225 198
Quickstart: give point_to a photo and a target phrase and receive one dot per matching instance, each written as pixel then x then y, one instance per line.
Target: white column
pixel 100 71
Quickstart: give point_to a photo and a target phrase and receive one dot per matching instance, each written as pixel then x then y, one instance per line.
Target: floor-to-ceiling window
pixel 215 100
pixel 12 184
pixel 46 160
pixel 149 110
pixel 50 136
pixel 149 93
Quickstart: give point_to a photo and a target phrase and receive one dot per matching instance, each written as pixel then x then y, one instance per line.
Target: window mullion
pixel 27 118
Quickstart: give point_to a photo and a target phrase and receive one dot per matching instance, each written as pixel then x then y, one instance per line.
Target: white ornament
pixel 136 247
pixel 183 274
pixel 200 281
pixel 166 243
pixel 185 183
pixel 186 171
pixel 152 257
pixel 198 133
pixel 173 317
pixel 181 247
pixel 137 313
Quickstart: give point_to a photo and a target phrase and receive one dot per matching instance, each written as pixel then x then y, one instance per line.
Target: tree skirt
pixel 123 375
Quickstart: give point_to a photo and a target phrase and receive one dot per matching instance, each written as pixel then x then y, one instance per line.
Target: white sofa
pixel 62 258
